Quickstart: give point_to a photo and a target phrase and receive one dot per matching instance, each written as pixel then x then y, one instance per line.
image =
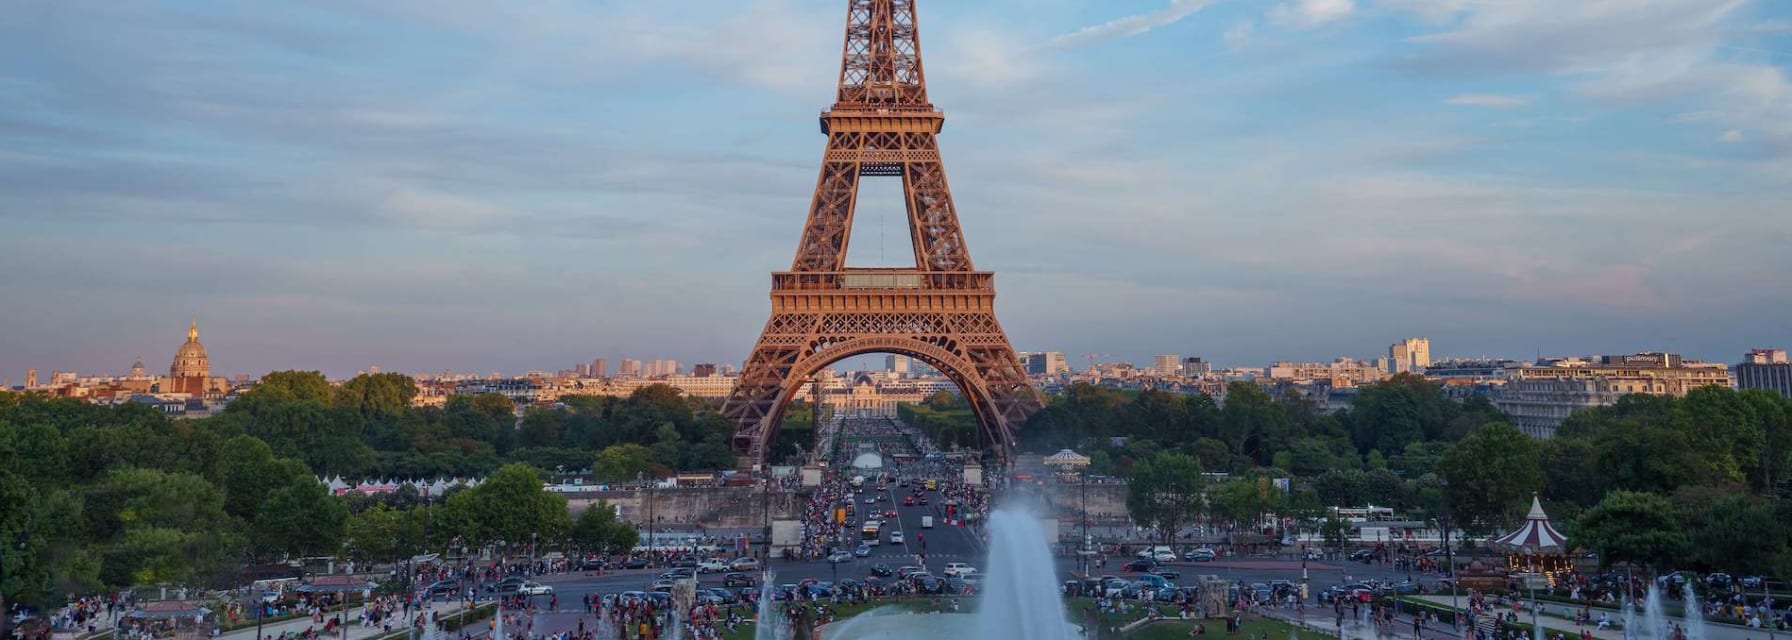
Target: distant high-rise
pixel 703 370
pixel 1766 369
pixel 1045 363
pixel 1411 355
pixel 600 368
pixel 1168 364
pixel 896 363
pixel 30 378
pixel 631 368
pixel 1194 367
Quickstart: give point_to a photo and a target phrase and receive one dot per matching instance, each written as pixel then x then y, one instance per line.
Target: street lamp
pixel 1450 555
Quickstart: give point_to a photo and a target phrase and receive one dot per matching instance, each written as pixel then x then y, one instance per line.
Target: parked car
pixel 534 589
pixel 1312 554
pixel 591 564
pixel 1202 554
pixel 1406 587
pixel 1362 555
pixel 507 585
pixel 1164 556
pixel 839 556
pixel 744 564
pixel 1168 574
pixel 738 579
pixel 953 569
pixel 904 572
pixel 712 566
pixel 635 562
pixel 1141 564
pixel 441 588
pixel 1719 580
pixel 882 570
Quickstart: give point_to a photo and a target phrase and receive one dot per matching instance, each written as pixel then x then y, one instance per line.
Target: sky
pixel 427 185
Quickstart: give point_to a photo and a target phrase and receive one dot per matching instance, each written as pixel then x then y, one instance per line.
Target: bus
pixel 933 485
pixel 869 534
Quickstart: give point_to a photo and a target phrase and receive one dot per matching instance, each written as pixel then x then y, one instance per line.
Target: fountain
pixel 1694 614
pixel 770 625
pixel 1655 622
pixel 1019 599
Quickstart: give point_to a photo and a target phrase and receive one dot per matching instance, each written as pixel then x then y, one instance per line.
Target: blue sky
pixel 437 184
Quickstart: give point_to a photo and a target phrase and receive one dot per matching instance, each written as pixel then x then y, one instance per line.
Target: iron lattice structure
pixel 941 312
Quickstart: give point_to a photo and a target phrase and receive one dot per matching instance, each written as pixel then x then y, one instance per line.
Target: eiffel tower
pixel 941 312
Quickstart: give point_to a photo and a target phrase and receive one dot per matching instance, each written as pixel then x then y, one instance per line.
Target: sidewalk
pixel 352 617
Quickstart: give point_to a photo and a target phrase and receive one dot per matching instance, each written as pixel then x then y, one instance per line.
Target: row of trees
pixel 99 497
pixel 1699 482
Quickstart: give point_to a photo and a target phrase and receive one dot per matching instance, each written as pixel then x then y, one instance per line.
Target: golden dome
pixel 190 359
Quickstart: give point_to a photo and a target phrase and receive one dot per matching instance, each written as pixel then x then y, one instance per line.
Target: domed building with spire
pixel 191 372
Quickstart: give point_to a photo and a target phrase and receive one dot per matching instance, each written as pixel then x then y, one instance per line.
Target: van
pixel 926 522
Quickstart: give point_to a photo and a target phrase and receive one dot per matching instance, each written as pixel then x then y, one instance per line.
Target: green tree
pixel 300 519
pixel 1165 492
pixel 1252 422
pixel 597 530
pixel 157 526
pixel 621 463
pixel 1335 531
pixel 384 534
pixel 291 386
pixel 1490 473
pixel 378 395
pixel 1627 526
pixel 1736 533
pixel 511 508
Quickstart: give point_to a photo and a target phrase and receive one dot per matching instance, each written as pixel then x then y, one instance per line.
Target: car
pixel 507 585
pixel 953 569
pixel 631 597
pixel 871 501
pixel 592 564
pixel 441 588
pixel 635 562
pixel 862 551
pixel 1364 556
pixel 677 574
pixel 712 566
pixel 1719 580
pixel 922 501
pixel 1202 554
pixel 839 556
pixel 744 564
pixel 1164 556
pixel 1155 581
pixel 895 537
pixel 738 579
pixel 685 562
pixel 904 572
pixel 1675 580
pixel 1312 554
pixel 660 598
pixel 534 589
pixel 1168 574
pixel 891 514
pixel 929 585
pixel 1142 564
pixel 1405 587
pixel 908 501
pixel 662 585
pixel 958 586
pixel 882 570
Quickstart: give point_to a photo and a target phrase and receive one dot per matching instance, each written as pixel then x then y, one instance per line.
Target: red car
pixel 890 514
pixel 909 501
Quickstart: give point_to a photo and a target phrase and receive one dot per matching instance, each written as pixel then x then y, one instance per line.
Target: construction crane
pixel 1093 356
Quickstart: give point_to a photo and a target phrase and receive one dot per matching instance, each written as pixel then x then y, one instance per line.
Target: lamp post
pixel 1083 554
pixel 1450 556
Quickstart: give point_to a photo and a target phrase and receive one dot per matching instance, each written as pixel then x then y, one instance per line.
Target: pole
pixel 1084 552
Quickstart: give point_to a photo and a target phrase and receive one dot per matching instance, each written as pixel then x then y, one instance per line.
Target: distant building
pixel 600 368
pixel 1168 364
pixel 1339 374
pixel 1540 397
pixel 1411 355
pixel 1046 363
pixel 703 370
pixel 191 372
pixel 1196 367
pixel 1766 369
pixel 896 363
pixel 631 368
pixel 30 378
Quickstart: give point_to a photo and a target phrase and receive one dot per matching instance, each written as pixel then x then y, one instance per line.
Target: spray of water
pixel 1695 614
pixel 1020 596
pixel 770 625
pixel 1655 622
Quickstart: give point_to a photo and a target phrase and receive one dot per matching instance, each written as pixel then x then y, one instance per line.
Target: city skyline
pixel 504 192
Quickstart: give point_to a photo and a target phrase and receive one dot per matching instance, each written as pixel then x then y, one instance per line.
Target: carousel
pixel 1536 547
pixel 1069 464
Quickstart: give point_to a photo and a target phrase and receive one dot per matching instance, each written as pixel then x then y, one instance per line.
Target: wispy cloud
pixel 1306 14
pixel 1489 100
pixel 1238 34
pixel 1129 26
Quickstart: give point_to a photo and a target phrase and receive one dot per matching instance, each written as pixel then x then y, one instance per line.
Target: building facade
pixel 1411 355
pixel 1540 397
pixel 1765 369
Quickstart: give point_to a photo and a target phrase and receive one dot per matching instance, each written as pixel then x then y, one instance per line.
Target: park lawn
pixel 845 611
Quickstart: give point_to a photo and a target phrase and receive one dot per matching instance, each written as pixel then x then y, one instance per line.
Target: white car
pixel 895 537
pixel 1165 556
pixel 712 566
pixel 958 569
pixel 534 589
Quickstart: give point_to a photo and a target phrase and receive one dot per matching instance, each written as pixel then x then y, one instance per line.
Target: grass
pixel 1259 628
pixel 1168 629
